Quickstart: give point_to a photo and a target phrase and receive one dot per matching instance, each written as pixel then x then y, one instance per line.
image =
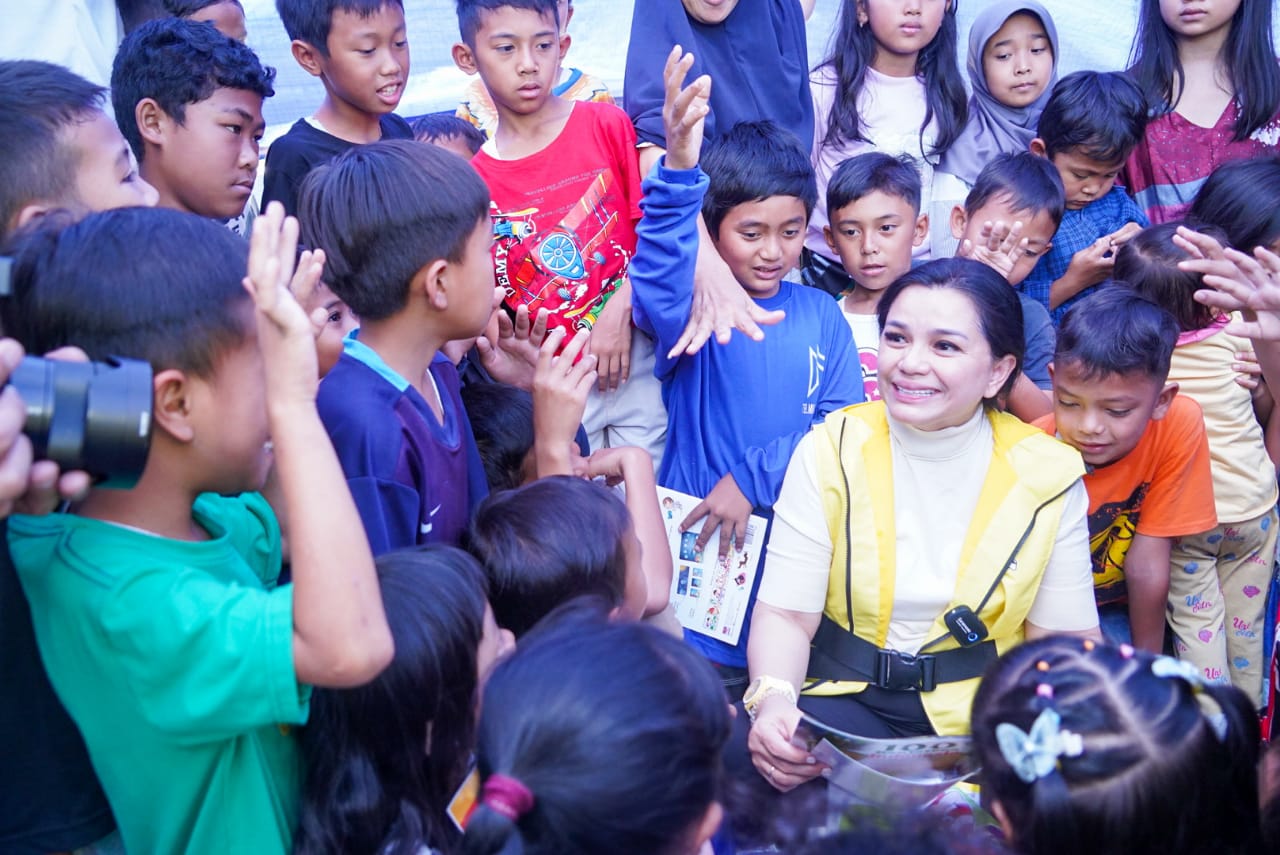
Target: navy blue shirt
pixel 757 57
pixel 414 479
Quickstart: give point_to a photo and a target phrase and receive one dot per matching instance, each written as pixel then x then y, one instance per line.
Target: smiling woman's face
pixel 709 11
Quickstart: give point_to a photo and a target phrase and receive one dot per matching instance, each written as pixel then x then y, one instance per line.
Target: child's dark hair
pixel 187 8
pixel 1242 197
pixel 383 211
pixel 501 418
pixel 1030 184
pixel 1115 331
pixel 615 730
pixel 178 62
pixel 533 563
pixel 994 302
pixel 1148 263
pixel 434 126
pixel 853 47
pixel 753 161
pixel 144 283
pixel 1248 56
pixel 471 13
pixel 874 171
pixel 893 832
pixel 1101 113
pixel 39 102
pixel 309 20
pixel 1155 771
pixel 383 759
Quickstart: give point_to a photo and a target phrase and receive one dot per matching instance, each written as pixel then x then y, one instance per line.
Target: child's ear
pixel 831 241
pixel 1037 148
pixel 959 220
pixel 1167 394
pixel 432 282
pixel 307 56
pixel 151 119
pixel 922 230
pixel 564 44
pixel 465 58
pixel 171 410
pixel 26 215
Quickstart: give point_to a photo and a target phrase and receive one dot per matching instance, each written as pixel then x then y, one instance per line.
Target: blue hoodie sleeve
pixel 759 474
pixel 666 254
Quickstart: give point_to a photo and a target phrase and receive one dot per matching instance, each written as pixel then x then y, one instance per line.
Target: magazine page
pixel 911 769
pixel 709 596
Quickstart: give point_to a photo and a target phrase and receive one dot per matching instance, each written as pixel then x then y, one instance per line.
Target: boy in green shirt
pixel 156 608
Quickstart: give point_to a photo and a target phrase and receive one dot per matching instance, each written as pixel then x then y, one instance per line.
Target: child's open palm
pixel 1249 284
pixel 285 333
pixel 684 110
pixel 999 246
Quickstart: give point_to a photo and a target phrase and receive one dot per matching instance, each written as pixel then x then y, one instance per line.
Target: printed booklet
pixel 709 596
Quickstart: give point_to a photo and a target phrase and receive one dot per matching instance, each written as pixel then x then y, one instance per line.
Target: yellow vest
pixel 1015 523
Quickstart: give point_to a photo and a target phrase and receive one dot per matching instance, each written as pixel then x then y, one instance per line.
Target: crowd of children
pixel 396 578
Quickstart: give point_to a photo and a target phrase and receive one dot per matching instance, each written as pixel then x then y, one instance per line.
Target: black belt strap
pixel 838 654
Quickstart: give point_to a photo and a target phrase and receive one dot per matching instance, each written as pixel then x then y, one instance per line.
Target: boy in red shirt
pixel 565 181
pixel 1146 452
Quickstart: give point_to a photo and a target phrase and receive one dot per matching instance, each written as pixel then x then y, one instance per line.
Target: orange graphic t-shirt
pixel 1163 488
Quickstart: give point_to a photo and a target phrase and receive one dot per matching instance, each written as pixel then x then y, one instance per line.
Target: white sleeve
pixel 1065 601
pixel 798 562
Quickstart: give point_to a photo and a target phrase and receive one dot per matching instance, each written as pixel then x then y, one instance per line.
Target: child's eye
pixel 888 228
pixel 790 233
pixel 749 235
pixel 402 44
pixel 365 51
pixel 335 317
pixel 1039 50
pixel 850 233
pixel 545 45
pixel 1119 414
pixel 1066 404
pixel 1002 56
pixel 235 129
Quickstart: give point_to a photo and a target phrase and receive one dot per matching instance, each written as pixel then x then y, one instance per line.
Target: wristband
pixel 763 687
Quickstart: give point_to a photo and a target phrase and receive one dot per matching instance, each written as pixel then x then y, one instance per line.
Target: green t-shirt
pixel 176 661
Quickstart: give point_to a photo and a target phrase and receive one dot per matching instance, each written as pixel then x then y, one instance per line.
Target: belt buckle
pixel 903 672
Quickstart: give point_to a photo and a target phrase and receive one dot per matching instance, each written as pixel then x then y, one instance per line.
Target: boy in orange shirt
pixel 1146 451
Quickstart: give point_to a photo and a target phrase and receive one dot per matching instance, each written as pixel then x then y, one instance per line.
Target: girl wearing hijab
pixel 1013 64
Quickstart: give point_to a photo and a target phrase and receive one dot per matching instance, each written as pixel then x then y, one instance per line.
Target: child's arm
pixel 340 633
pixel 560 388
pixel 1146 573
pixel 1028 401
pixel 633 467
pixel 611 339
pixel 1091 265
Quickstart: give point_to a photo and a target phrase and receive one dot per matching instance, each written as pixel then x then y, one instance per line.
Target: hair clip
pixel 1034 755
pixel 1178 669
pixel 1044 690
pixel 1089 644
pixel 507 796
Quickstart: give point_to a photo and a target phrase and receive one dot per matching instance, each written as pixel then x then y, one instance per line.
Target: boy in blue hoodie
pixel 735 410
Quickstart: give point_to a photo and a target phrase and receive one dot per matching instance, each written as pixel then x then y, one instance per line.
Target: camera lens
pixel 94 416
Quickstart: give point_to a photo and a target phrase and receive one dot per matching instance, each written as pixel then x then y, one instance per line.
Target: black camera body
pixel 94 416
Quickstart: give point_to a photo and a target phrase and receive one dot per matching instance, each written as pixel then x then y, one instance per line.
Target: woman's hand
pixel 783 764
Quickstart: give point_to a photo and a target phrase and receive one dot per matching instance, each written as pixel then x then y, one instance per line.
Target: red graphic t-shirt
pixel 564 218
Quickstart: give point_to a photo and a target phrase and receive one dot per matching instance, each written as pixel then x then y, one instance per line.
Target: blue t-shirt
pixel 742 407
pixel 414 479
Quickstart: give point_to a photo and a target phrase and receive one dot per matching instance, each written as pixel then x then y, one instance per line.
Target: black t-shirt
pixel 50 799
pixel 305 147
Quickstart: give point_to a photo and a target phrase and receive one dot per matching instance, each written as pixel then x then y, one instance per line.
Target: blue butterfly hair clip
pixel 1034 755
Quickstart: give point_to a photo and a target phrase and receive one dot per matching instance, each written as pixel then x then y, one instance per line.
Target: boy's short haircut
pixel 534 563
pixel 309 20
pixel 145 283
pixel 471 13
pixel 1101 113
pixel 871 172
pixel 39 101
pixel 434 126
pixel 750 163
pixel 179 62
pixel 187 8
pixel 383 211
pixel 501 418
pixel 1115 331
pixel 1029 183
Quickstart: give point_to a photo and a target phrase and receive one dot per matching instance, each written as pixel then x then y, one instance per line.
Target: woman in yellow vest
pixel 916 537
